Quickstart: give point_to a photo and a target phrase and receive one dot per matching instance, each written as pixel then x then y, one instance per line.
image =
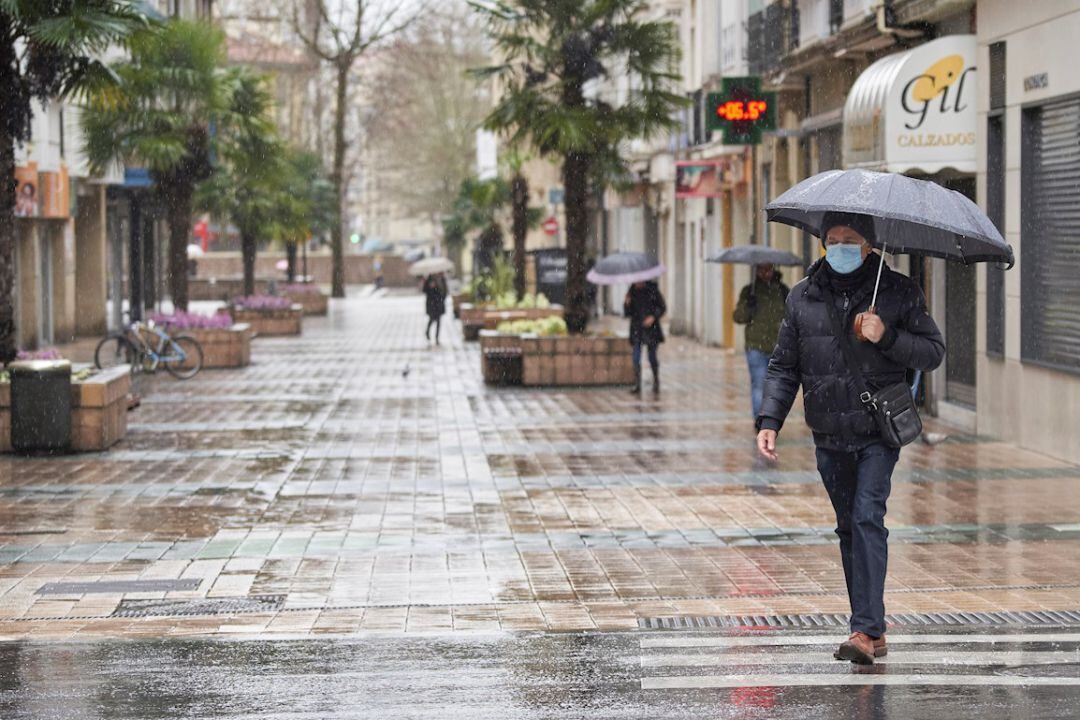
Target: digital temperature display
pixel 741 111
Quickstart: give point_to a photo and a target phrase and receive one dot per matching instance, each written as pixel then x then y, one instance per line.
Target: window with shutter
pixel 1050 234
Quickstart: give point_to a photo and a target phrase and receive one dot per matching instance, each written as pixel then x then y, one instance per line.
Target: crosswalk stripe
pixel 695 682
pixel 666 641
pixel 1004 657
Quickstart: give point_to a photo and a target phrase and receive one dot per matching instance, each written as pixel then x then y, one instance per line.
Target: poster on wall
pixel 698 179
pixel 55 194
pixel 27 193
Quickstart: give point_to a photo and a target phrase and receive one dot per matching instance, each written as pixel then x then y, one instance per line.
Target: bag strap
pixel 865 396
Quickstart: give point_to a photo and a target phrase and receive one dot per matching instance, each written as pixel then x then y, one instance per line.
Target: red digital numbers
pixel 736 110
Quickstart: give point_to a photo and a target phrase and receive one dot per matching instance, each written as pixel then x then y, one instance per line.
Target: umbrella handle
pixel 859 320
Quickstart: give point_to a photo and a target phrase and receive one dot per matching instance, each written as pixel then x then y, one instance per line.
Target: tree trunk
pixel 576 184
pixel 178 215
pixel 520 192
pixel 290 259
pixel 247 251
pixel 8 238
pixel 337 177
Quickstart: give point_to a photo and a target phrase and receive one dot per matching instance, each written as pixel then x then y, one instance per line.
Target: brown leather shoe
pixel 858 648
pixel 880 649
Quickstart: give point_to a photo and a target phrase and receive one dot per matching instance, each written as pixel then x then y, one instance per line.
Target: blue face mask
pixel 844 259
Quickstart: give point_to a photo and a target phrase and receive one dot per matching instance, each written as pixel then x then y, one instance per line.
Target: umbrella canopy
pixel 430 266
pixel 910 216
pixel 755 255
pixel 624 268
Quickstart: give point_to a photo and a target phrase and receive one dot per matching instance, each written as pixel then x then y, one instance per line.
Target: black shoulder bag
pixel 893 407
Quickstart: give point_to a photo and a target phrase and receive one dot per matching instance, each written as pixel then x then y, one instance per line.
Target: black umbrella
pixel 910 216
pixel 755 255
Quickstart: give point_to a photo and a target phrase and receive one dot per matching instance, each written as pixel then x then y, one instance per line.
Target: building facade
pixel 959 92
pixel 1028 339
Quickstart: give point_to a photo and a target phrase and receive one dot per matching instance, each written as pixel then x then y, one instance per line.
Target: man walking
pixel 855 465
pixel 760 309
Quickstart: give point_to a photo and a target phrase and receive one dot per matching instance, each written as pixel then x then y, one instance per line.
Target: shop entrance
pixel 960 319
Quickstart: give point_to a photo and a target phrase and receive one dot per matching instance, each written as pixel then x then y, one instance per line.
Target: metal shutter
pixel 1050 227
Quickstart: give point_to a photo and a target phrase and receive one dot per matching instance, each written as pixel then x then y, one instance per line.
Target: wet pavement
pixel 356 511
pixel 552 675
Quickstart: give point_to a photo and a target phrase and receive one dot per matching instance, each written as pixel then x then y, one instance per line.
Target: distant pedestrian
pixel 644 305
pixel 761 309
pixel 854 461
pixel 435 290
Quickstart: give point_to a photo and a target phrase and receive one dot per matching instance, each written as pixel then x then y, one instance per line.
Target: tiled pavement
pixel 372 483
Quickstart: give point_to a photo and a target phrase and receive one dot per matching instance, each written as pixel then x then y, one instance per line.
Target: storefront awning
pixel 915 111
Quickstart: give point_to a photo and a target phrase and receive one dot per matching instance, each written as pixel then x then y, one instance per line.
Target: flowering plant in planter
pixel 44 354
pixel 181 320
pixel 261 302
pixel 78 374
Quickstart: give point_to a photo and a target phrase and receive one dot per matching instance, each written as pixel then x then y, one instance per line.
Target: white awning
pixel 915 111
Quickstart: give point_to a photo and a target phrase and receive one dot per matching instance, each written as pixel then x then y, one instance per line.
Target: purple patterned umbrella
pixel 625 268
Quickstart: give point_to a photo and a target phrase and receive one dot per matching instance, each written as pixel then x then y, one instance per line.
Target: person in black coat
pixel 435 290
pixel 855 465
pixel 644 305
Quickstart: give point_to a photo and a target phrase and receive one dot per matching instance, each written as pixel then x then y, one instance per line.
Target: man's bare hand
pixel 873 328
pixel 766 444
pixel 649 321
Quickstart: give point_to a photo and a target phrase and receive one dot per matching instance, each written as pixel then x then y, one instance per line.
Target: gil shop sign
pixel 915 111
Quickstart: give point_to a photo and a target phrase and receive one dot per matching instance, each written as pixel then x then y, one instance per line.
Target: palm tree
pixel 248 187
pixel 311 204
pixel 163 116
pixel 47 50
pixel 519 200
pixel 481 206
pixel 554 54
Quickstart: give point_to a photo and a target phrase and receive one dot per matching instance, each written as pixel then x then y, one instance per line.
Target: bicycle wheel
pixel 192 357
pixel 115 350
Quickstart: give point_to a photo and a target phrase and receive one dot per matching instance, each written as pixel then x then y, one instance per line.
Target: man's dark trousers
pixel 859 484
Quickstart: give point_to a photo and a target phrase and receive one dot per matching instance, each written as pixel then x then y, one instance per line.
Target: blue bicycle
pixel 146 347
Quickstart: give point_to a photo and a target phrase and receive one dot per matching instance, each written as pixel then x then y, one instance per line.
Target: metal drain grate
pixel 117 586
pixel 1046 617
pixel 200 606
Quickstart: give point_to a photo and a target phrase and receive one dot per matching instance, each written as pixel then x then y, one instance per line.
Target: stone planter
pixel 475 318
pixel 270 322
pixel 561 360
pixel 314 301
pixel 98 410
pixel 456 301
pixel 223 347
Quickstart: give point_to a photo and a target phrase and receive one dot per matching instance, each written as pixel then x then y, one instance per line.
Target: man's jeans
pixel 758 362
pixel 858 484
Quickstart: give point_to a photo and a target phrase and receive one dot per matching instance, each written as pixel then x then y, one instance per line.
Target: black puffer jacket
pixel 807 353
pixel 639 304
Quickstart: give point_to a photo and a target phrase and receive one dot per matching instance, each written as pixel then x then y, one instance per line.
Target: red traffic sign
pixel 551 226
